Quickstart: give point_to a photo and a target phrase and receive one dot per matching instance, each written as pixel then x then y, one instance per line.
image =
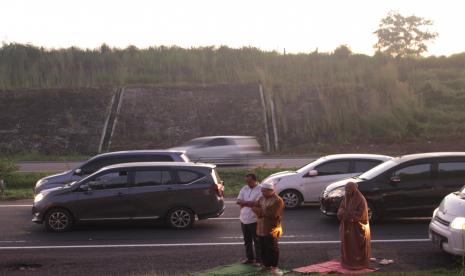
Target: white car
pixel 307 183
pixel 447 227
pixel 221 149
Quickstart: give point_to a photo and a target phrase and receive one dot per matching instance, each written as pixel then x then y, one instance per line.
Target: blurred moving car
pixel 447 227
pixel 221 149
pixel 99 161
pixel 405 184
pixel 307 183
pixel 174 191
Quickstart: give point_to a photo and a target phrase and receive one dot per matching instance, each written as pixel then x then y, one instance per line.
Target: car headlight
pixel 339 192
pixel 458 223
pixel 38 197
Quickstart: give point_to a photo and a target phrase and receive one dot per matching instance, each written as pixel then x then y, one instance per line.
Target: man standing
pixel 269 209
pixel 247 198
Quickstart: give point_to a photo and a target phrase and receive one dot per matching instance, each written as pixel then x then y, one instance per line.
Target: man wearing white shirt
pixel 246 199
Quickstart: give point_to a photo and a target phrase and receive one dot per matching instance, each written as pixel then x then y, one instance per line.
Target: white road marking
pixel 15 205
pixel 189 244
pixel 283 236
pixel 12 241
pixel 30 205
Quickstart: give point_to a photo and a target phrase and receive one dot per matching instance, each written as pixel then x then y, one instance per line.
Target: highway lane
pixel 305 224
pixel 270 162
pixel 151 247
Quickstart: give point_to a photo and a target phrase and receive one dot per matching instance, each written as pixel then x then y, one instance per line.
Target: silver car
pixel 307 183
pixel 221 149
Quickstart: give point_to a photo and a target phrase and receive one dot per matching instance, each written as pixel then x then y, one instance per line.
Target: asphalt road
pixel 271 162
pixel 144 248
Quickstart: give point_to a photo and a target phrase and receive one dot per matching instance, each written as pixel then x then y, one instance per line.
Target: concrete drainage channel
pixel 112 119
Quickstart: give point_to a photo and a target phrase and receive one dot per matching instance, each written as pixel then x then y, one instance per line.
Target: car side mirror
pixel 312 173
pixel 77 172
pixel 395 179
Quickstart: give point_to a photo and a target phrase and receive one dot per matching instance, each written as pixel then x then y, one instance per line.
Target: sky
pixel 297 26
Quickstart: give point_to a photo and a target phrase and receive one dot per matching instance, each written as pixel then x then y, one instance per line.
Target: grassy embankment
pixel 321 99
pixel 20 185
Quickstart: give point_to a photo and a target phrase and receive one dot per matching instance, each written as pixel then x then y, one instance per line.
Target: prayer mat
pixel 333 266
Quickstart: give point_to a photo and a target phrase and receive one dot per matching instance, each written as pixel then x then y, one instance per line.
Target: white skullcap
pixel 267 186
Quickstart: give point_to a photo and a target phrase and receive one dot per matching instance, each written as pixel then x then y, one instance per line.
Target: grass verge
pixel 234 178
pixel 20 185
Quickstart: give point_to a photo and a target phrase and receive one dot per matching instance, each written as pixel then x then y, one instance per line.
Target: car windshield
pixel 310 165
pixel 370 174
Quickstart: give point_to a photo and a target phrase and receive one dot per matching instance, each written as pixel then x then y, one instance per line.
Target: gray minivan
pixel 106 159
pixel 174 191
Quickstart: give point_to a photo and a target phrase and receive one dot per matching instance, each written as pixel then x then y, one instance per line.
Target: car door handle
pixel 375 189
pixel 119 194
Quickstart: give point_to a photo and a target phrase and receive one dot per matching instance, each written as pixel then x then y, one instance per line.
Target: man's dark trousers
pixel 270 251
pixel 249 232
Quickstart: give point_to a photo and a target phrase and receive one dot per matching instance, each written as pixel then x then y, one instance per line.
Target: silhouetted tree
pixel 343 51
pixel 400 35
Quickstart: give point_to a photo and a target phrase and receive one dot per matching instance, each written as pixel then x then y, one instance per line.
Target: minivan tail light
pixel 219 189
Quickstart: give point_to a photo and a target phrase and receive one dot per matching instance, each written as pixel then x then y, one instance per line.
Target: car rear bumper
pixel 329 206
pixel 215 214
pixel 448 239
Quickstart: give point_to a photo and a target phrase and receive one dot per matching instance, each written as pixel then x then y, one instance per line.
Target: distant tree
pixel 342 51
pixel 104 48
pixel 404 36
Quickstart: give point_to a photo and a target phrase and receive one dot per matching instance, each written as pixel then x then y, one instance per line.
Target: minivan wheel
pixel 292 199
pixel 58 220
pixel 180 218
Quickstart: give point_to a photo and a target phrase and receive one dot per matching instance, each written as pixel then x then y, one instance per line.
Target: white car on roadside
pixel 447 227
pixel 307 183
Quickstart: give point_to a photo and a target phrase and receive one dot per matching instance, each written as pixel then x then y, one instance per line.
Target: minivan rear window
pixel 152 178
pixel 186 176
